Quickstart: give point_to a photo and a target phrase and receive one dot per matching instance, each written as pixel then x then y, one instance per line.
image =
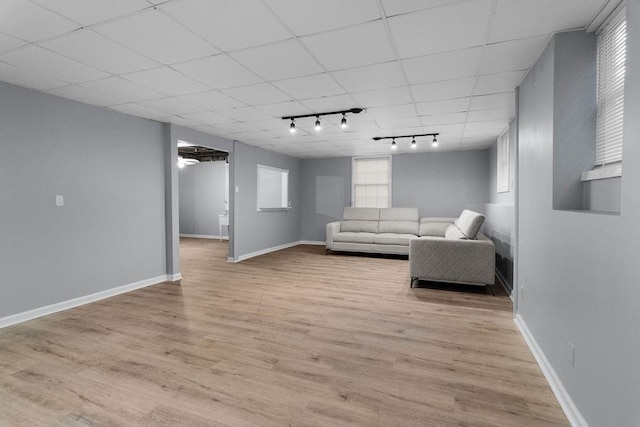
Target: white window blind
pixel 372 182
pixel 611 74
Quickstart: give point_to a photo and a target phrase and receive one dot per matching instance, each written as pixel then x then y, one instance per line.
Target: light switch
pixel 237 189
pixel 59 200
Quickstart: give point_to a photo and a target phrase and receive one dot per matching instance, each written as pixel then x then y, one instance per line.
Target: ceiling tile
pixel 42 61
pixel 456 105
pixel 234 127
pixel 442 66
pixel 167 81
pixel 21 77
pixel 154 34
pixel 488 102
pixel 308 17
pixel 397 7
pixel 378 76
pixel 512 55
pixel 245 114
pixel 314 86
pixel 207 118
pixel 443 119
pixel 391 124
pixel 218 72
pixel 93 49
pixel 456 26
pixel 382 97
pixel 278 61
pixel 8 42
pixel 442 90
pixel 212 100
pixel 330 103
pixel 495 114
pixel 171 106
pixel 516 19
pixel 364 44
pixel 268 124
pixel 88 12
pixel 395 112
pixel 281 109
pixel 229 24
pixel 176 120
pixel 496 125
pixel 498 83
pixel 129 91
pixel 31 22
pixel 261 93
pixel 87 96
pixel 137 110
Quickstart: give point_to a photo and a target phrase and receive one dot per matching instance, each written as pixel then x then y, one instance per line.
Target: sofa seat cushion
pixel 469 223
pixel 393 239
pixel 398 227
pixel 351 237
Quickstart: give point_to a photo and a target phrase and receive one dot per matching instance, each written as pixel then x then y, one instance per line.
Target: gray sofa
pixel 439 249
pixel 461 255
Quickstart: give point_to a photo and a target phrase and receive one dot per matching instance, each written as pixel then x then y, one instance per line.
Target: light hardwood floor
pixel 289 338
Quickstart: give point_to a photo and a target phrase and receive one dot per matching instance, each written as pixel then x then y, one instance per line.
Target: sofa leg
pixel 326 251
pixel 493 291
pixel 411 282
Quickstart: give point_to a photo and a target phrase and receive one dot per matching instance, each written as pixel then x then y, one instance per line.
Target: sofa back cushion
pixel 399 214
pixel 453 232
pixel 359 226
pixel 434 226
pixel 399 227
pixel 361 214
pixel 469 223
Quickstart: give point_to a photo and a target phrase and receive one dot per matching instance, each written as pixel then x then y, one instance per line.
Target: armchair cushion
pixel 469 223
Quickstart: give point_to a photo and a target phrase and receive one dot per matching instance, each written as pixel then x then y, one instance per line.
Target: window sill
pixel 273 209
pixel 604 172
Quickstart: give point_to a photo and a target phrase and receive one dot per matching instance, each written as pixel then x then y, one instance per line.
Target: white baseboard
pixel 312 242
pixel 265 251
pixel 566 403
pixel 205 236
pixel 174 277
pixel 65 305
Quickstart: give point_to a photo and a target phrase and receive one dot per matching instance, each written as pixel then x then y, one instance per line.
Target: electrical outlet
pixel 59 200
pixel 572 354
pixel 522 293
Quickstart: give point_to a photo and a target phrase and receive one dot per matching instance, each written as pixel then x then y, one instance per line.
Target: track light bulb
pixel 343 122
pixel 318 126
pixel 393 144
pixel 413 142
pixel 434 143
pixel 292 127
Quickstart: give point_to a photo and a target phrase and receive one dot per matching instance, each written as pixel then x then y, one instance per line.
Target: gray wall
pixel 579 270
pixel 439 184
pixel 109 168
pixel 256 231
pixel 202 197
pixel 326 190
pixel 499 224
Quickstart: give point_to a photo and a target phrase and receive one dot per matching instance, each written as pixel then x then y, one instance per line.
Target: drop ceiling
pixel 232 68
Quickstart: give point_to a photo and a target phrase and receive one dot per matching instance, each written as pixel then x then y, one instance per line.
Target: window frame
pixel 354 160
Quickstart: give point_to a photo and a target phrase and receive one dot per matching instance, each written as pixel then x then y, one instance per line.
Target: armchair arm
pixel 332 229
pixel 453 260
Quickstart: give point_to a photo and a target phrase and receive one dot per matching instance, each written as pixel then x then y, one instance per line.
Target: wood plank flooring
pixel 292 338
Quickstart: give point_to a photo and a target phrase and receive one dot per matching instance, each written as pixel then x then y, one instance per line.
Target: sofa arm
pixel 453 260
pixel 332 229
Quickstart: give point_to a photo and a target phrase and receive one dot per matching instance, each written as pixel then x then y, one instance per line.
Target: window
pixel 273 188
pixel 610 98
pixel 371 182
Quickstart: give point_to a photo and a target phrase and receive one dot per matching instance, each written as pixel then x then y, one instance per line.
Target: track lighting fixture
pixel 414 144
pixel 318 126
